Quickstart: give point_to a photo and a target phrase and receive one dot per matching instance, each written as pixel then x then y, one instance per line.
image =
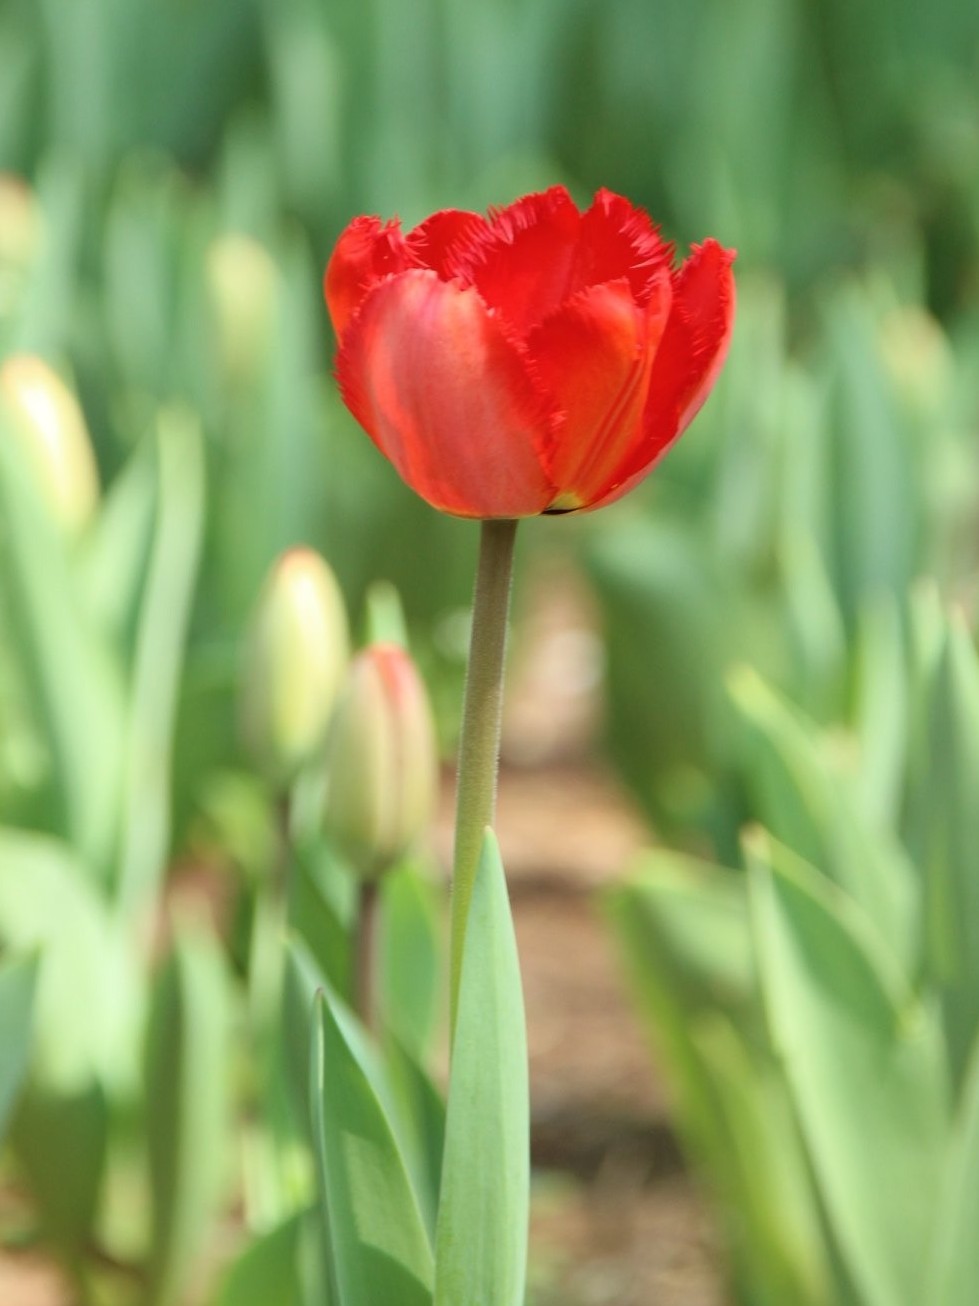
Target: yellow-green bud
pixel 21 228
pixel 296 653
pixel 244 283
pixel 45 417
pixel 382 760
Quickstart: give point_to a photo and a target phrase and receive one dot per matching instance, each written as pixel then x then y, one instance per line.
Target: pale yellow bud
pixel 382 760
pixel 917 355
pixel 296 653
pixel 244 284
pixel 21 225
pixel 44 416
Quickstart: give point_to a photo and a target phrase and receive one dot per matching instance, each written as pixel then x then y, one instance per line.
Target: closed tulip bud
pixel 382 761
pixel 45 417
pixel 20 224
pixel 296 653
pixel 243 284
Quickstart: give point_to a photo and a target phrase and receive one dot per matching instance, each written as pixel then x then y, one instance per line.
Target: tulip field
pixel 489 680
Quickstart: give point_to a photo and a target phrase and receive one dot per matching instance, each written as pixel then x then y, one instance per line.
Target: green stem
pixel 479 742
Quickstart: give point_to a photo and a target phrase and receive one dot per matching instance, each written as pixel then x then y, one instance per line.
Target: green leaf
pixel 410 957
pixel 373 1231
pixel 87 967
pixel 163 618
pixel 954 1280
pixel 481 1242
pixel 385 618
pixel 18 981
pixel 684 930
pixel 187 1108
pixel 268 1270
pixel 949 839
pixel 75 689
pixel 802 796
pixel 865 1066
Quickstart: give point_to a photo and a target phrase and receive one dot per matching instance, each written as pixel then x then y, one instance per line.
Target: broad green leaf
pixel 87 966
pixel 481 1242
pixel 268 1270
pixel 163 618
pixel 865 1066
pixel 187 1108
pixel 683 927
pixel 954 1280
pixel 373 1232
pixel 949 846
pixel 61 1141
pixel 410 957
pixel 763 1175
pixel 801 795
pixel 421 1113
pixel 75 689
pixel 882 717
pixel 18 981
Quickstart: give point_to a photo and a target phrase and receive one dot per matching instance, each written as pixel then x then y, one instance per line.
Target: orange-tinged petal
pixel 366 251
pixel 595 357
pixel 443 392
pixel 688 361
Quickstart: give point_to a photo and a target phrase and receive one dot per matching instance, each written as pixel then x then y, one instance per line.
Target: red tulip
pixel 538 360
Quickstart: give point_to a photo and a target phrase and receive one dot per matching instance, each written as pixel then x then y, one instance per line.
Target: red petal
pixel 522 262
pixel 434 380
pixel 432 242
pixel 689 359
pixel 366 251
pixel 595 356
pixel 619 240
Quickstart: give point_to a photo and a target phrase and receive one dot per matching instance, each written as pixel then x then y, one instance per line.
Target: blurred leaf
pixel 86 965
pixel 683 926
pixel 268 1270
pixel 865 1066
pixel 163 618
pixel 18 981
pixel 187 1056
pixel 422 1113
pixel 802 797
pixel 75 688
pixel 61 1139
pixel 385 617
pixel 882 715
pixel 949 845
pixel 373 1232
pixel 954 1277
pixel 410 957
pixel 481 1241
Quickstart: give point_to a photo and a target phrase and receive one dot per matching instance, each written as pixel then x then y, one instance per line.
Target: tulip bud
pixel 382 761
pixel 45 417
pixel 20 228
pixel 917 355
pixel 296 653
pixel 243 284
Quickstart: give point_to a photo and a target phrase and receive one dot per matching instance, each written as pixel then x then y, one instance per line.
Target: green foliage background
pixel 815 524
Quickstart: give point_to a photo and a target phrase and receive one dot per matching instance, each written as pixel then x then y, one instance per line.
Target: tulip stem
pixel 479 741
pixel 366 960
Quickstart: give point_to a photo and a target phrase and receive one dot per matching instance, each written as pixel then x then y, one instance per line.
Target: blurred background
pixel 773 633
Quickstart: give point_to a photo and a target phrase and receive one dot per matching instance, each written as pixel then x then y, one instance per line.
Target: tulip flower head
pixel 382 761
pixel 295 658
pixel 540 359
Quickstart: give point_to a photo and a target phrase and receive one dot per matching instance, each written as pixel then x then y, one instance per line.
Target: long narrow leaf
pixel 481 1242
